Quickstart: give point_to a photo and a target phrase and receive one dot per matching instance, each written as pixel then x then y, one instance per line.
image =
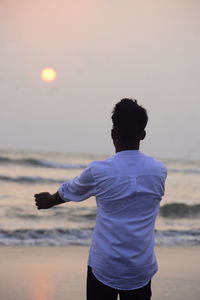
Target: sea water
pixel 23 173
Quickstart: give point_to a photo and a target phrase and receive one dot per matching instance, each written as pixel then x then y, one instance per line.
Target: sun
pixel 48 75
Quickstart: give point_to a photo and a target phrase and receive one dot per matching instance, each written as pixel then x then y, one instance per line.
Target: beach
pixel 49 273
pixel 38 256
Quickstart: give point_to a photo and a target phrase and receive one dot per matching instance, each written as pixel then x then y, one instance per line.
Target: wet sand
pixel 49 273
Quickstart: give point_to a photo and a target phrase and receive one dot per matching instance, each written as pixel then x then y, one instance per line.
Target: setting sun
pixel 48 75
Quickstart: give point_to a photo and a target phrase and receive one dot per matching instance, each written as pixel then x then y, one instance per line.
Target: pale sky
pixel 102 51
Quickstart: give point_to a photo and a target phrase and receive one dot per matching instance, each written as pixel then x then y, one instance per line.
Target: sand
pixel 49 273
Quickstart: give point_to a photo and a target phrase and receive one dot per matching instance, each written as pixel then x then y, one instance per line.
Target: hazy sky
pixel 102 51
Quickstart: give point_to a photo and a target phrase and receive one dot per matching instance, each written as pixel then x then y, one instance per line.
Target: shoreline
pixel 59 272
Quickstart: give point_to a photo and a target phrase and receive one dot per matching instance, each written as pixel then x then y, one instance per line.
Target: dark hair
pixel 129 120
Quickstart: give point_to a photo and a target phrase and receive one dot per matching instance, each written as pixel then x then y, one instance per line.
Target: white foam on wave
pixel 65 237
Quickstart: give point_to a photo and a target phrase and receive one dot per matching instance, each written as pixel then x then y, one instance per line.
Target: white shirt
pixel 128 187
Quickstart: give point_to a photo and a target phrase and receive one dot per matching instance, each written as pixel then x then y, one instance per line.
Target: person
pixel 128 188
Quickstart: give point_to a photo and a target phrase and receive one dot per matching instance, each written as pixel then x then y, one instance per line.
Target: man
pixel 128 187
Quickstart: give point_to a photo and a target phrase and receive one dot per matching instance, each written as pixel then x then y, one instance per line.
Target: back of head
pixel 129 120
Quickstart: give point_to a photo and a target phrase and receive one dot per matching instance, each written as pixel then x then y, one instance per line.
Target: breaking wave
pixel 39 163
pixel 30 179
pixel 180 210
pixel 187 170
pixel 65 237
pixel 57 165
pixel 45 237
pixel 177 238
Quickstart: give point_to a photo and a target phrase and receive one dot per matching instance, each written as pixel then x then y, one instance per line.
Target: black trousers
pixel 96 290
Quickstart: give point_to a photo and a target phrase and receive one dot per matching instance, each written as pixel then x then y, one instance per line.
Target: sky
pixel 102 51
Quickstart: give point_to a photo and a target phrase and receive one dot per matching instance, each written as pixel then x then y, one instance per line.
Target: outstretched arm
pixel 46 200
pixel 76 189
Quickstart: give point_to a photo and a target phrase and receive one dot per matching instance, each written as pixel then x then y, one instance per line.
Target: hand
pixel 43 200
pixel 46 200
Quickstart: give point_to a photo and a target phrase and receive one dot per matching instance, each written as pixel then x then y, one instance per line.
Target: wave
pixel 177 238
pixel 170 211
pixel 33 162
pixel 179 210
pixel 75 215
pixel 188 171
pixel 65 237
pixel 39 163
pixel 30 179
pixel 45 237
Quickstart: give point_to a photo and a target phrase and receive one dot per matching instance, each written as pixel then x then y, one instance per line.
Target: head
pixel 129 122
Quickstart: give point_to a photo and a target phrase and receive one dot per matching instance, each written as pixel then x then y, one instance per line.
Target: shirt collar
pixel 128 152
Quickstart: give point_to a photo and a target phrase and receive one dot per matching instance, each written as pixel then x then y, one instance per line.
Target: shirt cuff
pixel 62 194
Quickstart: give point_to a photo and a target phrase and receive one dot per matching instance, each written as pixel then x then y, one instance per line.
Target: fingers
pixel 42 200
pixel 37 204
pixel 38 196
pixel 41 194
pixel 38 200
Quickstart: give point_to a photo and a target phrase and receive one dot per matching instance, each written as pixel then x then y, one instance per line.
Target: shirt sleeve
pixel 163 180
pixel 78 188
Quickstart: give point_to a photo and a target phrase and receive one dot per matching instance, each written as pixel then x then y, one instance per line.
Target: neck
pixel 120 147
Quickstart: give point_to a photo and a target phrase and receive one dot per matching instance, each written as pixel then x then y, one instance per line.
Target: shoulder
pixel 154 164
pixel 98 166
pixel 99 163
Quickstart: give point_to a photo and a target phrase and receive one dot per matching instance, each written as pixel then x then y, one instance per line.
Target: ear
pixel 143 135
pixel 113 133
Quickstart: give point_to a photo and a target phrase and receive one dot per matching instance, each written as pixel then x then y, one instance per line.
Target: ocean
pixel 24 173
